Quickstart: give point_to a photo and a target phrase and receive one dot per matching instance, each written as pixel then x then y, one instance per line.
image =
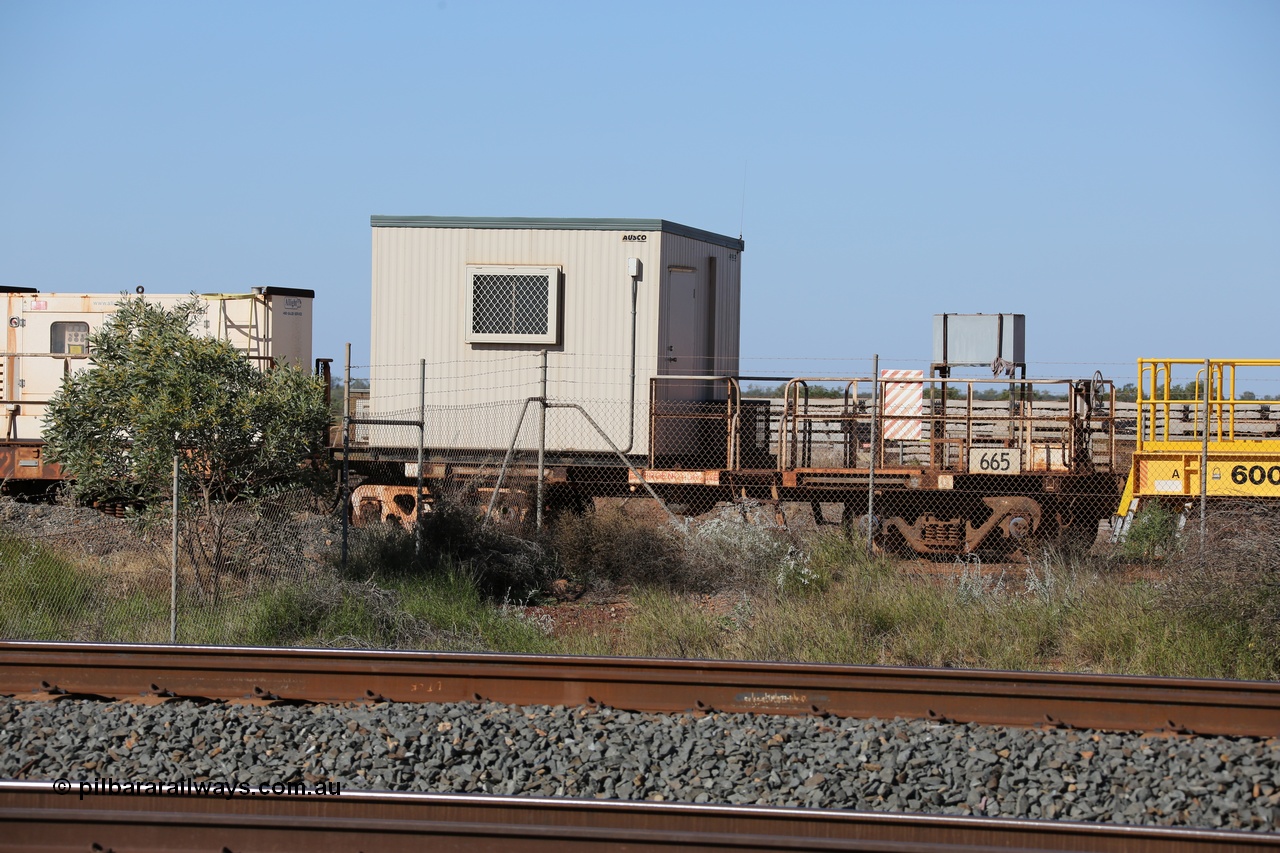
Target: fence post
pixel 345 491
pixel 173 566
pixel 1204 452
pixel 542 439
pixel 422 440
pixel 871 470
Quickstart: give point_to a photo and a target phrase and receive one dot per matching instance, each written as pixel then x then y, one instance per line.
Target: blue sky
pixel 1110 169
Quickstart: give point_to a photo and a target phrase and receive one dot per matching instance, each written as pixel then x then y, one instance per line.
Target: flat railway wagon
pixel 976 475
pixel 1211 434
pixel 634 327
pixel 950 474
pixel 47 338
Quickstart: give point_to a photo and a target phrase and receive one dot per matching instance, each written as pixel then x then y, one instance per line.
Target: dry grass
pixel 1064 612
pixel 738 548
pixel 1233 575
pixel 778 596
pixel 607 548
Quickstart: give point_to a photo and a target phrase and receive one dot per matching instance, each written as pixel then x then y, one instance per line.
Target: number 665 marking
pixel 1002 461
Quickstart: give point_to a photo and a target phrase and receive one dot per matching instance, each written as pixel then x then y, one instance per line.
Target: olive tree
pixel 155 391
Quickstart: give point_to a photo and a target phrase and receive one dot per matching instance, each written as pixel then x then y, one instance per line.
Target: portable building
pixel 615 303
pixel 48 337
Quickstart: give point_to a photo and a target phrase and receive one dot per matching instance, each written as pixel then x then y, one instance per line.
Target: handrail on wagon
pixel 1213 405
pixel 801 446
pixel 731 415
pixel 1085 417
pixel 955 424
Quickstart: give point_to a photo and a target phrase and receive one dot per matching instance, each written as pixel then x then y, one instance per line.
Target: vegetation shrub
pixel 1204 611
pixel 162 396
pixel 381 551
pixel 341 613
pixel 453 538
pixel 1152 533
pixel 742 552
pixel 605 548
pixel 748 551
pixel 1234 577
pixel 736 549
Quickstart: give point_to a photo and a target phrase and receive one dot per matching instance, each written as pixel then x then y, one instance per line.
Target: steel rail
pixel 34 817
pixel 1107 702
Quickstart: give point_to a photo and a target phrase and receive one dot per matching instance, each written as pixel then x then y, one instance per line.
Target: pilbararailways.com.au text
pixel 197 788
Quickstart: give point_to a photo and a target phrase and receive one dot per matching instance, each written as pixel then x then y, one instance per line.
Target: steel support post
pixel 173 567
pixel 542 438
pixel 422 440
pixel 1204 451
pixel 346 453
pixel 871 470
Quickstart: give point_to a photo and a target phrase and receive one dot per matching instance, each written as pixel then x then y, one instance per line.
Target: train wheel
pixel 859 525
pixel 513 507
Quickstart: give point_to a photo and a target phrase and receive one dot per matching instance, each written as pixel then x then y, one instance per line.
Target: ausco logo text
pixel 634 238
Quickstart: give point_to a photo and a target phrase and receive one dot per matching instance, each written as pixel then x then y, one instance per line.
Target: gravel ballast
pixel 868 765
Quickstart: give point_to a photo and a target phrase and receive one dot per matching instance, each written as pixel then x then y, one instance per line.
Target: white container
pixel 480 298
pixel 47 338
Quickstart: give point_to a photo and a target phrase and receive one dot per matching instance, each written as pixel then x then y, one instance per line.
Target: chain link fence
pixel 922 461
pixel 901 459
pixel 921 464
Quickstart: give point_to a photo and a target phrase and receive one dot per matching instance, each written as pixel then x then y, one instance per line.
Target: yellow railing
pixel 1168 418
pixel 1215 435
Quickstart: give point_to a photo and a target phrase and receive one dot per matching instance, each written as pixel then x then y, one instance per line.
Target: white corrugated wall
pixel 419 311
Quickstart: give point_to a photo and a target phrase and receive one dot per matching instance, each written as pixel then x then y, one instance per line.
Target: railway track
pixel 37 816
pixel 1107 702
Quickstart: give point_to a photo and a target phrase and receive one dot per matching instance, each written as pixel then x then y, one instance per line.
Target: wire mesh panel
pixel 512 305
pixel 79 574
pixel 506 304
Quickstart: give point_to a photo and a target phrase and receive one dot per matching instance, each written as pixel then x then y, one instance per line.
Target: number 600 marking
pixel 1255 474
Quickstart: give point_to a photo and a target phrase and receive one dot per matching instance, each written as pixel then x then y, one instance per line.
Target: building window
pixel 513 305
pixel 69 338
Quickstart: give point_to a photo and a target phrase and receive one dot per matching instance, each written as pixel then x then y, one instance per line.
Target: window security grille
pixel 512 304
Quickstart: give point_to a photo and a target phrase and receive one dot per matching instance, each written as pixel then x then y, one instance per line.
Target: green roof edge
pixel 557 224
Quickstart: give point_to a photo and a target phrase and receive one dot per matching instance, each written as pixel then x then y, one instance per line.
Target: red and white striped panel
pixel 903 404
